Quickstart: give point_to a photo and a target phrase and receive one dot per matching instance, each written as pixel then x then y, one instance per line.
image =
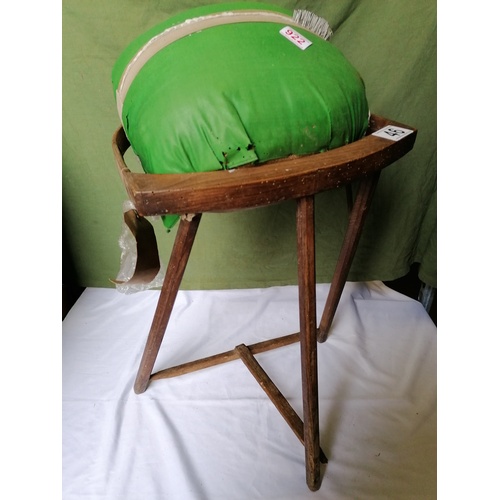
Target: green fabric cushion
pixel 236 94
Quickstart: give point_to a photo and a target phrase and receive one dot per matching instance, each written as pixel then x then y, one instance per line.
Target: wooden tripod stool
pixel 190 195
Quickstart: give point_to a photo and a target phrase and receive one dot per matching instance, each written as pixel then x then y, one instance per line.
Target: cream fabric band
pixel 186 28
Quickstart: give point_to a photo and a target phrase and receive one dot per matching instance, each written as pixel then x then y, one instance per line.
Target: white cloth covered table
pixel 214 434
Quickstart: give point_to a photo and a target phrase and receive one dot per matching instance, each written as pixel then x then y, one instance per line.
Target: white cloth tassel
pixel 313 23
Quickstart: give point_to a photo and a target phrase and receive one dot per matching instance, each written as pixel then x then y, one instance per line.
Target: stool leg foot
pixel 308 343
pixel 356 220
pixel 177 264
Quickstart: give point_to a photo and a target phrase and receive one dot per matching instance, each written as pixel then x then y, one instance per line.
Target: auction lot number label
pixel 392 132
pixel 296 38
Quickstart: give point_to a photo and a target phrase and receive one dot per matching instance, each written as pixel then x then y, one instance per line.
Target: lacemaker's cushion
pixel 220 87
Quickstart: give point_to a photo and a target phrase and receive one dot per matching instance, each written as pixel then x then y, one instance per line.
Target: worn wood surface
pixel 255 186
pixel 308 343
pixel 224 357
pixel 357 218
pixel 269 387
pixel 175 271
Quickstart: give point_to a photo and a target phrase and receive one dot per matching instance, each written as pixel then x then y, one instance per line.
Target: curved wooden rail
pixel 259 185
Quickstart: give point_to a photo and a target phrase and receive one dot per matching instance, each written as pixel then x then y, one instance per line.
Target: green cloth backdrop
pixel 393 46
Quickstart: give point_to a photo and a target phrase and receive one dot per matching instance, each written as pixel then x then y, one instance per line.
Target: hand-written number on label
pixel 393 133
pixel 295 37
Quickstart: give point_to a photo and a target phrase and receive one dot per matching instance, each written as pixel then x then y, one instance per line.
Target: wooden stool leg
pixel 308 342
pixel 356 220
pixel 173 277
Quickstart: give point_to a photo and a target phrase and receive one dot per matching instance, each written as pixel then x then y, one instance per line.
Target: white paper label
pixel 392 132
pixel 296 38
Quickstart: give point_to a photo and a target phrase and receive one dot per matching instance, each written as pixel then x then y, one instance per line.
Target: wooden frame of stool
pixel 191 195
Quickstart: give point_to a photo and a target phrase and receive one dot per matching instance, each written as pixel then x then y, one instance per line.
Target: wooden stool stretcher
pixel 190 195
